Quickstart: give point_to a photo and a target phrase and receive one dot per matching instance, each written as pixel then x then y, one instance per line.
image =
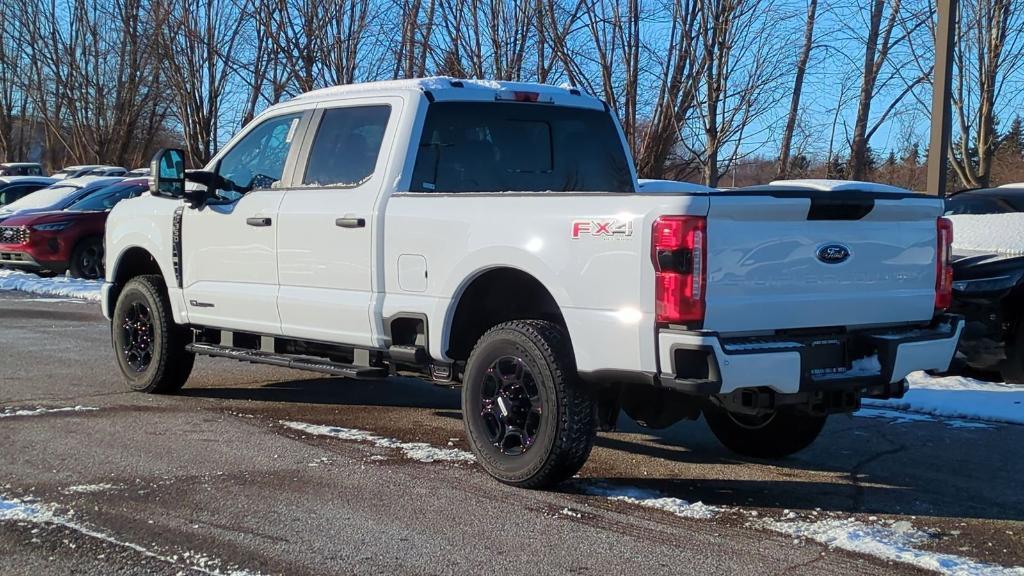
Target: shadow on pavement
pixel 859 465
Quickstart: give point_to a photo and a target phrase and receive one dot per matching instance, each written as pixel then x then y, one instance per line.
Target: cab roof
pixel 18 164
pixel 444 88
pixel 27 179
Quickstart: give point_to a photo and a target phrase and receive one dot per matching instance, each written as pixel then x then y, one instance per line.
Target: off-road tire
pixel 783 434
pixel 567 424
pixel 170 364
pixel 87 259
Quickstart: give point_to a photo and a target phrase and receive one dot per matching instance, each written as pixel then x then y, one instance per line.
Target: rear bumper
pixel 874 362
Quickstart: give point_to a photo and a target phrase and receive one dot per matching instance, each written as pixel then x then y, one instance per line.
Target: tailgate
pixel 819 259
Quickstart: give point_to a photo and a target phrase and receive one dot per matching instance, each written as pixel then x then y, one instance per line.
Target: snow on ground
pixel 90 488
pixel 895 541
pixel 999 233
pixel 29 511
pixel 957 397
pixel 419 451
pixel 12 412
pixel 59 286
pixel 652 499
pixel 902 417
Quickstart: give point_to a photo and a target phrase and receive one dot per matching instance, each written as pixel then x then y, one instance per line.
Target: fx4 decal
pixel 602 228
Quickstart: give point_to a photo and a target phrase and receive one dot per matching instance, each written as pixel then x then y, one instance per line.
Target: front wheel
pixel 774 435
pixel 149 346
pixel 528 416
pixel 87 259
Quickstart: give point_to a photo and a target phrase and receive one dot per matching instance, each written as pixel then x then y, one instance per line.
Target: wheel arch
pixel 490 296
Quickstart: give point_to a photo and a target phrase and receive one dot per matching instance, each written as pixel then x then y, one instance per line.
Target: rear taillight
pixel 679 249
pixel 944 265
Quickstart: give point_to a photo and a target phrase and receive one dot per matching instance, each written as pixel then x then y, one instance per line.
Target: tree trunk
pixel 798 86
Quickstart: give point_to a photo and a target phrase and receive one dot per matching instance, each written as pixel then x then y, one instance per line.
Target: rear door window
pixel 519 147
pixel 347 143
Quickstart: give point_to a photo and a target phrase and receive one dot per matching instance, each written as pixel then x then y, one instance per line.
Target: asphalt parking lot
pixel 98 480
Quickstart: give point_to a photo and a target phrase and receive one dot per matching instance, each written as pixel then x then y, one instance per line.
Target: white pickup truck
pixel 493 235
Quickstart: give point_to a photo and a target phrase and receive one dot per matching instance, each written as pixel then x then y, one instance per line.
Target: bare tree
pixel 989 56
pixel 199 38
pixel 798 86
pixel 891 23
pixel 741 69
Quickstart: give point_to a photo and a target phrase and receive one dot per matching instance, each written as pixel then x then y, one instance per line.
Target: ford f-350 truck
pixel 492 235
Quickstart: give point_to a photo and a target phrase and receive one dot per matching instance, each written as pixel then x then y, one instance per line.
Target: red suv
pixel 69 239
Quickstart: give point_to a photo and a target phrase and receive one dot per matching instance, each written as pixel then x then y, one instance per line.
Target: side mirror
pixel 167 173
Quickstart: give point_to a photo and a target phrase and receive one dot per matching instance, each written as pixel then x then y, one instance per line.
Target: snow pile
pixel 12 412
pixel 999 233
pixel 419 451
pixel 61 286
pixel 898 541
pixel 898 417
pixel 959 397
pixel 90 488
pixel 26 510
pixel 652 499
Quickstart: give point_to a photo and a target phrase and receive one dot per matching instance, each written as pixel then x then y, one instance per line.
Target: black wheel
pixel 87 259
pixel 775 435
pixel 1012 369
pixel 529 418
pixel 149 346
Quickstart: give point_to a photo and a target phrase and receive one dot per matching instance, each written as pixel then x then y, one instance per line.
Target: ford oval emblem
pixel 833 253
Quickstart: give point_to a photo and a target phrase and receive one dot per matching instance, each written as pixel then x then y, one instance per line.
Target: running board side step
pixel 311 363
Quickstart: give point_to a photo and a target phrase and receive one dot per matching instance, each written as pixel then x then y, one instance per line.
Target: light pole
pixel 938 150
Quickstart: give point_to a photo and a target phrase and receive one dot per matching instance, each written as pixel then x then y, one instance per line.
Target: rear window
pixel 43 198
pixel 106 198
pixel 519 147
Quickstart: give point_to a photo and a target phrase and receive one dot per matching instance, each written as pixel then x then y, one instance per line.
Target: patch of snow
pixel 570 512
pixel 960 398
pixel 90 488
pixel 653 499
pixel 59 286
pixel 998 233
pixel 903 417
pixel 12 412
pixel 419 451
pixel 27 510
pixel 897 542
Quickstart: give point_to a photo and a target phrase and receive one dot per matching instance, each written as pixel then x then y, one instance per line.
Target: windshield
pixel 106 198
pixel 42 198
pixel 519 147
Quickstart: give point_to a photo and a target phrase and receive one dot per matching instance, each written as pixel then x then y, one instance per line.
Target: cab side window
pixel 345 149
pixel 256 162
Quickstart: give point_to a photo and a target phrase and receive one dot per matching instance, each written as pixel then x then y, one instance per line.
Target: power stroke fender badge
pixel 833 253
pixel 601 228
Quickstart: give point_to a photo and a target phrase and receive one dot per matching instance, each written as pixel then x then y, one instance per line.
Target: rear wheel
pixel 774 435
pixel 87 259
pixel 529 418
pixel 149 346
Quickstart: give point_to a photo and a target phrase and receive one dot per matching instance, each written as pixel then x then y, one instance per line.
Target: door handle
pixel 350 222
pixel 258 221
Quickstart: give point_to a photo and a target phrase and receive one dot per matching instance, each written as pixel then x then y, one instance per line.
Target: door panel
pixel 328 224
pixel 229 246
pixel 230 267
